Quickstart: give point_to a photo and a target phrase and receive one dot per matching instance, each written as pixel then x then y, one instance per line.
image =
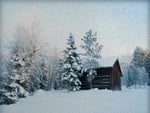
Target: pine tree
pixel 44 80
pixel 92 53
pixel 147 65
pixel 129 81
pixel 141 58
pixel 17 74
pixel 143 76
pixel 58 84
pixel 3 80
pixel 135 74
pixel 71 68
pixel 32 70
pixel 9 93
pixel 138 57
pixel 8 87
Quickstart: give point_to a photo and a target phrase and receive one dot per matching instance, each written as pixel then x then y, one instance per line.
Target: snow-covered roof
pixel 107 62
pixel 103 62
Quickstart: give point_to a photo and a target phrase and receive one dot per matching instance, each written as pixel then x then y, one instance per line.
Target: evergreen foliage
pixel 147 64
pixel 72 65
pixel 141 58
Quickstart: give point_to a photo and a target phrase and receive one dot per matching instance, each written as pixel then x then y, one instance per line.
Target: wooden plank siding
pixel 116 77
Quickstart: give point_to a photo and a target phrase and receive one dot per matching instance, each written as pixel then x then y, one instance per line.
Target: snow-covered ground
pixel 89 101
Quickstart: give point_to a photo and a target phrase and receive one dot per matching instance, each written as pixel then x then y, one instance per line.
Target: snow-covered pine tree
pixel 58 83
pixel 17 73
pixel 92 53
pixel 21 68
pixel 141 58
pixel 44 79
pixel 10 92
pixel 71 67
pixel 28 38
pixel 3 80
pixel 135 74
pixel 138 57
pixel 32 70
pixel 147 64
pixel 55 70
pixel 129 80
pixel 143 76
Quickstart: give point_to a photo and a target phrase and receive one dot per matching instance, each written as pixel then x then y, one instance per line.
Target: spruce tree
pixel 129 81
pixel 71 67
pixel 147 65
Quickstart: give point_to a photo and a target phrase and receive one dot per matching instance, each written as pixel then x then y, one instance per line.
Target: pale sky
pixel 121 26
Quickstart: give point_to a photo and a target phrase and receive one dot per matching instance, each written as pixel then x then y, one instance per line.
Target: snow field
pixel 88 101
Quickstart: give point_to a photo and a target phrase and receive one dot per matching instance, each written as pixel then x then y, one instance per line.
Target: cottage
pixel 108 75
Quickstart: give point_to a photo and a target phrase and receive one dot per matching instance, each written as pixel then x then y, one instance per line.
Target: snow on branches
pixel 71 67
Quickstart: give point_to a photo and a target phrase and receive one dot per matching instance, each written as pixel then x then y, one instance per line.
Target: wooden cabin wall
pixel 116 81
pixel 107 77
pixel 102 79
